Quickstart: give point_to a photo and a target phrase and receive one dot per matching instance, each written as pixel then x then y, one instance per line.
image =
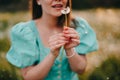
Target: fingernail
pixel 65 28
pixel 65 32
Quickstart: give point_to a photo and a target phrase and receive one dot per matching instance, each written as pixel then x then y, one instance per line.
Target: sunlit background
pixel 102 15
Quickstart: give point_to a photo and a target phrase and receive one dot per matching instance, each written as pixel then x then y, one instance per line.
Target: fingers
pixel 56 41
pixel 56 47
pixel 69 36
pixel 72 36
pixel 76 40
pixel 57 38
pixel 70 32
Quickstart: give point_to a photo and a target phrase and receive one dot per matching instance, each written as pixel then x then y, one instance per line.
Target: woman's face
pixel 52 7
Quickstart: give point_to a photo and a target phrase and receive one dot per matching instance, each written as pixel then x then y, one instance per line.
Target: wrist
pixel 70 51
pixel 54 54
pixel 52 57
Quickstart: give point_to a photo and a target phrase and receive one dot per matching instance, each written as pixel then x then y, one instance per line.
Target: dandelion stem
pixel 65 12
pixel 66 20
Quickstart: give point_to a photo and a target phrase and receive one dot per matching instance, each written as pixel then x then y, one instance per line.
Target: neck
pixel 49 21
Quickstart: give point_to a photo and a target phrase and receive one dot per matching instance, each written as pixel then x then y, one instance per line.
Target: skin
pixel 55 38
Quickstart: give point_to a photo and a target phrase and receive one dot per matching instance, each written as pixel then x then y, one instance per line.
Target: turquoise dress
pixel 27 48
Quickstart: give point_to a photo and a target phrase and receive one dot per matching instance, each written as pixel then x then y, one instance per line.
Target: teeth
pixel 57 6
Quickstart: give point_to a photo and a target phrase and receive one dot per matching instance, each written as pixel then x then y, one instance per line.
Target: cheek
pixel 45 4
pixel 48 1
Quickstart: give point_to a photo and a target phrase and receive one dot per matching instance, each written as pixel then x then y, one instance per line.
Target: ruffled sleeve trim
pixel 88 40
pixel 23 51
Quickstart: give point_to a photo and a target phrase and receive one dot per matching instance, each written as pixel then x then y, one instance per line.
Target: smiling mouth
pixel 58 6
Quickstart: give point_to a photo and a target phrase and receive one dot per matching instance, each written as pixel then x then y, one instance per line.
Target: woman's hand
pixel 72 36
pixel 56 42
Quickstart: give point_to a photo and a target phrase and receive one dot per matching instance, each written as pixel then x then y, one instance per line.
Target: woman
pixel 37 45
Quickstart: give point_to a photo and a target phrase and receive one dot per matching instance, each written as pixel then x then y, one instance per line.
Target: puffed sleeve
pixel 23 51
pixel 88 41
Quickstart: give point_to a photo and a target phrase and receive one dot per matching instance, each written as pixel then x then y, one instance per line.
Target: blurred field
pixel 105 22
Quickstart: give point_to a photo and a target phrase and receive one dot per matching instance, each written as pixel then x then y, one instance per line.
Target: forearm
pixel 40 71
pixel 77 62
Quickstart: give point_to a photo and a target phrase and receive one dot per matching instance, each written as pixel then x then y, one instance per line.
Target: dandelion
pixel 65 11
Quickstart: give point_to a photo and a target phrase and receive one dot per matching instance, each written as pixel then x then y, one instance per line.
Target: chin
pixel 58 15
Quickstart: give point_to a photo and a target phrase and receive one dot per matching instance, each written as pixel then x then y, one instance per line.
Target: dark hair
pixel 36 11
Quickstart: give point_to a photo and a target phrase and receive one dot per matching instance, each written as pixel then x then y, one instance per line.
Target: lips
pixel 57 6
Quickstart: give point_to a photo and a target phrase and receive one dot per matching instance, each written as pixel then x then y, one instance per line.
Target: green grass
pixel 109 70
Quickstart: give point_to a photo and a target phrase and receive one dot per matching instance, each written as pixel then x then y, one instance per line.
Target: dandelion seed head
pixel 65 10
